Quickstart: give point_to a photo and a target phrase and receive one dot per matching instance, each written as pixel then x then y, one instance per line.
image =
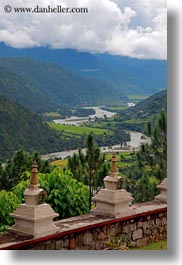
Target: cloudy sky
pixel 135 28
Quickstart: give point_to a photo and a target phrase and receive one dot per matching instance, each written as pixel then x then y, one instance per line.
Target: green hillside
pixel 136 118
pixel 23 92
pixel 52 83
pixel 19 128
pixel 149 107
pixel 129 76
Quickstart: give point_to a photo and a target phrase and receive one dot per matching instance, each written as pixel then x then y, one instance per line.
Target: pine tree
pixel 151 162
pixel 89 168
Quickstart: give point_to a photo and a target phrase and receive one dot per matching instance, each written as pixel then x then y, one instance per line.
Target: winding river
pixel 136 138
pixel 77 121
pixel 134 143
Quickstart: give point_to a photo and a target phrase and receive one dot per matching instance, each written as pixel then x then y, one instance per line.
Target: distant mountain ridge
pixel 44 86
pixel 126 75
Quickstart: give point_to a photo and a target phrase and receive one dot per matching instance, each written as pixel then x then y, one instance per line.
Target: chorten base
pixel 112 203
pixel 34 220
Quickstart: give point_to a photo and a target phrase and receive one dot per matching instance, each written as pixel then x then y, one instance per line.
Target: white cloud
pixel 131 28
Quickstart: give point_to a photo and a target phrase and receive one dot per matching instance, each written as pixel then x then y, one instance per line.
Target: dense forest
pixel 23 92
pixel 22 129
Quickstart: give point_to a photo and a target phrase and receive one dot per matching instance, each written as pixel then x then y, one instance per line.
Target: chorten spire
pixel 114 169
pixel 34 183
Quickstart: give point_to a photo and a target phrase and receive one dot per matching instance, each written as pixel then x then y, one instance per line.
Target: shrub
pixel 8 203
pixel 67 196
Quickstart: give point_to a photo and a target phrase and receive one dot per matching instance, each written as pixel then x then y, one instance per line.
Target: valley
pixel 134 144
pixel 100 113
pixel 57 94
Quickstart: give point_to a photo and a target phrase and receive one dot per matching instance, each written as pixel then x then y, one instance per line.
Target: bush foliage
pixel 66 195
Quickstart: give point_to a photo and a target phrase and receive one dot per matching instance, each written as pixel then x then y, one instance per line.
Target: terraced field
pixel 78 130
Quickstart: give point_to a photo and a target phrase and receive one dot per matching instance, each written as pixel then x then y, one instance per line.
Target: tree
pixel 144 190
pixel 15 168
pixel 95 161
pixel 76 164
pixel 151 163
pixel 155 154
pixel 89 168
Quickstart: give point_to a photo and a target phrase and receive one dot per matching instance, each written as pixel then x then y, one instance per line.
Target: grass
pixel 160 245
pixel 52 114
pixel 137 97
pixel 135 121
pixel 60 163
pixel 117 108
pixel 79 130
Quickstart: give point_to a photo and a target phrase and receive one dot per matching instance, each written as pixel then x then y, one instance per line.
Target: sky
pixel 134 28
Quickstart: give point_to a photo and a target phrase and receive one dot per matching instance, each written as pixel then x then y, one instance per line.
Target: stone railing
pixel 90 232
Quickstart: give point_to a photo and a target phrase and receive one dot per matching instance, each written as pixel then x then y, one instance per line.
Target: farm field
pixel 117 108
pixel 137 97
pixel 127 160
pixel 124 159
pixel 52 114
pixel 60 163
pixel 79 130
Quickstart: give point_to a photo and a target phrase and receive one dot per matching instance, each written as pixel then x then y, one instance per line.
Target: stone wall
pixel 94 232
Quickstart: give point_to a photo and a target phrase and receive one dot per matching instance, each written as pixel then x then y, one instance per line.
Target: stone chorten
pixel 34 217
pixel 162 197
pixel 113 201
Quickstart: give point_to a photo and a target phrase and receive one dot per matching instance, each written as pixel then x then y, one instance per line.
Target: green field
pixel 52 114
pixel 78 130
pixel 60 163
pixel 117 108
pixel 136 97
pixel 134 121
pixel 124 159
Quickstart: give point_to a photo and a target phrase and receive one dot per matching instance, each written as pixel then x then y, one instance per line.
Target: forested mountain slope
pixel 19 128
pixel 127 75
pixel 51 85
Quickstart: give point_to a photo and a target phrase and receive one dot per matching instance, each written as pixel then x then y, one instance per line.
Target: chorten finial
pixel 34 179
pixel 114 169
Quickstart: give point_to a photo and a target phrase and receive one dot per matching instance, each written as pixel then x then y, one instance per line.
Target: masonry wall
pixel 138 230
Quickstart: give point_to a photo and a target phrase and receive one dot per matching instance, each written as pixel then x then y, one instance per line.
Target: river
pixel 77 121
pixel 134 143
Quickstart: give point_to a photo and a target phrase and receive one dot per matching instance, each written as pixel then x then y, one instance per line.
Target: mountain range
pixel 123 74
pixel 38 80
pixel 43 86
